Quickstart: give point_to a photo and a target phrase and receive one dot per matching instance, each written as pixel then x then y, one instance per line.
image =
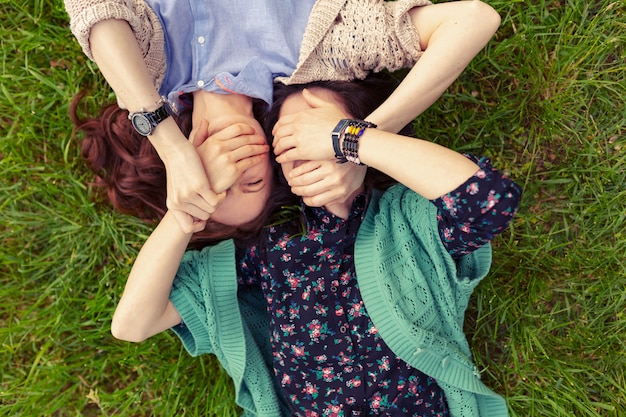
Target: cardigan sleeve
pixel 218 318
pixel 205 294
pixel 417 295
pixel 346 40
pixel 190 299
pixel 144 23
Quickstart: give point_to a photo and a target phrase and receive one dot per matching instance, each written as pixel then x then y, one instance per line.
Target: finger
pixel 288 156
pixel 235 131
pixel 187 223
pixel 201 204
pixel 198 226
pixel 281 132
pixel 242 144
pixel 283 144
pixel 248 140
pixel 306 173
pixel 206 199
pixel 282 122
pixel 251 161
pixel 194 206
pixel 194 211
pixel 319 200
pixel 249 151
pixel 184 220
pixel 311 184
pixel 308 190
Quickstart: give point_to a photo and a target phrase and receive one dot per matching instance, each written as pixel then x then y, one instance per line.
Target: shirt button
pixel 200 83
pixel 200 40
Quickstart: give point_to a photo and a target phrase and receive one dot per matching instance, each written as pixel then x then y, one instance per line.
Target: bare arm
pixel 117 54
pixel 427 168
pixel 144 309
pixel 451 35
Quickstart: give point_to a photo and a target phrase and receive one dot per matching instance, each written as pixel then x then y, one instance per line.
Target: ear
pixel 199 134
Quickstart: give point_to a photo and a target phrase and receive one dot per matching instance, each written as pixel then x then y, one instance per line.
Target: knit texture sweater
pixel 415 293
pixel 344 39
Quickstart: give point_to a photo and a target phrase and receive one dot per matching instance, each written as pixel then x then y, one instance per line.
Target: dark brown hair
pixel 131 176
pixel 359 97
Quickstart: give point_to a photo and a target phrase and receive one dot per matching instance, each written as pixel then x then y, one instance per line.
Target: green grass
pixel 545 101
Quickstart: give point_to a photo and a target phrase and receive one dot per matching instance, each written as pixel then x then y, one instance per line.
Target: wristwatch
pixel 337 135
pixel 145 122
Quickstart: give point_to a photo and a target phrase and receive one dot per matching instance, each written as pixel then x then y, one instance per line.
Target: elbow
pixel 123 327
pixel 485 15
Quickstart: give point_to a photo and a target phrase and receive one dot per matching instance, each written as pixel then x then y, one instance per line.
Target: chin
pixel 236 222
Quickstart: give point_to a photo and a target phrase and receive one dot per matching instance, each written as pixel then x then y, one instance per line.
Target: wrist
pixel 168 140
pixel 346 137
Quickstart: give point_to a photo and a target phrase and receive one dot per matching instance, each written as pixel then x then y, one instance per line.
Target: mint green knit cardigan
pixel 415 293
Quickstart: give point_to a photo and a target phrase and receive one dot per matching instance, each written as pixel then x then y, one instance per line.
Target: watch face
pixel 142 124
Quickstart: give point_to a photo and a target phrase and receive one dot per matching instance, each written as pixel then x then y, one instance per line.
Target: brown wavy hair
pixel 130 175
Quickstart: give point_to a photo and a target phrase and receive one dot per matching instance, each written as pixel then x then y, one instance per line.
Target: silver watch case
pixel 145 122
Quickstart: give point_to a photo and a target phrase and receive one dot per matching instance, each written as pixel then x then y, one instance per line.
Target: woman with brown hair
pixel 354 308
pixel 152 49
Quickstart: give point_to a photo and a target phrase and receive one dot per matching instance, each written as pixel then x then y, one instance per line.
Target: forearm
pixel 451 35
pixel 119 58
pixel 429 169
pixel 144 308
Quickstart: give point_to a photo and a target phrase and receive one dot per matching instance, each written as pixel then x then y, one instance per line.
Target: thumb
pixel 198 225
pixel 200 135
pixel 314 100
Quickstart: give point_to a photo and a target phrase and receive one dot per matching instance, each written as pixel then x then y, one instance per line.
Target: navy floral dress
pixel 327 354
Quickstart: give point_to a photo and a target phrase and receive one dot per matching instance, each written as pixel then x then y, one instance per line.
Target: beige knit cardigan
pixel 344 39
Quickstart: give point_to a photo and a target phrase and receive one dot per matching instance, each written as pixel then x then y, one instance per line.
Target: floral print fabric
pixel 328 357
pixel 478 210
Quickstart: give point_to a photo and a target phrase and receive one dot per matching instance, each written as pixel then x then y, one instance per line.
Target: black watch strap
pixel 157 116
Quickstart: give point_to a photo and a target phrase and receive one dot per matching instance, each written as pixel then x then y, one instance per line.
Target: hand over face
pixel 228 153
pixel 303 131
pixel 324 183
pixel 236 161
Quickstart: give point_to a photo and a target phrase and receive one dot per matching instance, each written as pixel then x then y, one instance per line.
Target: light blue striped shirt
pixel 230 46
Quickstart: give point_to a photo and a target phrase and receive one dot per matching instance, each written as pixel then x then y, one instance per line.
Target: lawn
pixel 545 100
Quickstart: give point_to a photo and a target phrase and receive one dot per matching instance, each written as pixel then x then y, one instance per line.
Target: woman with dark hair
pixel 134 177
pixel 363 299
pixel 152 52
